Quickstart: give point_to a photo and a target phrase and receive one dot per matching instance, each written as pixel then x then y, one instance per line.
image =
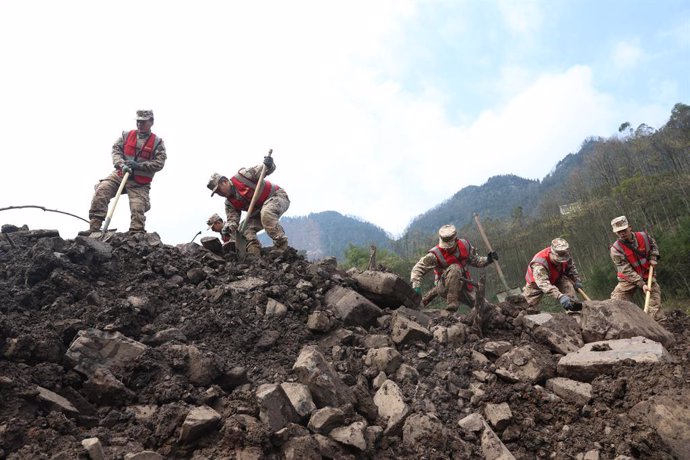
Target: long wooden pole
pixel 648 295
pixel 488 245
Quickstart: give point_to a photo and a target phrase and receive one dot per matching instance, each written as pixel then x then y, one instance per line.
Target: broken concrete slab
pixel 352 308
pixel 525 364
pixel 558 331
pixel 579 393
pixel 597 358
pixel 386 289
pixel 93 348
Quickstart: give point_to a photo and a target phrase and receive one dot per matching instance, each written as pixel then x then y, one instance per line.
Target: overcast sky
pixel 375 109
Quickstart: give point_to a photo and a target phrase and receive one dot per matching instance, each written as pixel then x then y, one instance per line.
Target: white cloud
pixel 626 55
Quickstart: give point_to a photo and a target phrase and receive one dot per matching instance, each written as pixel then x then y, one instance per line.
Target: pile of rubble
pixel 133 349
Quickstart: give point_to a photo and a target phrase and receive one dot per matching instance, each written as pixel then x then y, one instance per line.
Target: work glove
pixel 565 302
pixel 268 161
pixel 133 165
pixel 493 255
pixel 228 229
pixel 578 284
pixel 418 290
pixel 126 169
pixel 652 262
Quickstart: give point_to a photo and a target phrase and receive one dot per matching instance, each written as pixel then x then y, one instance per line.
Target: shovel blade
pixel 241 245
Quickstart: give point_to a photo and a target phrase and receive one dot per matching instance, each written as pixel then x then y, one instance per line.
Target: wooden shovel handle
pixel 106 224
pixel 488 245
pixel 257 192
pixel 648 294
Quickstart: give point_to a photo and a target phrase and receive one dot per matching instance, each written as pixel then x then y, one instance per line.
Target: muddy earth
pixel 133 349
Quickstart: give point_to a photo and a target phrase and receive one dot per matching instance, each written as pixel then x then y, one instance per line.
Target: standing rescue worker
pixel 238 191
pixel 633 254
pixel 142 154
pixel 449 260
pixel 552 271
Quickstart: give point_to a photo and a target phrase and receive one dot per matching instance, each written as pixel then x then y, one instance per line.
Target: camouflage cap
pixel 560 250
pixel 446 236
pixel 213 219
pixel 213 183
pixel 144 115
pixel 619 223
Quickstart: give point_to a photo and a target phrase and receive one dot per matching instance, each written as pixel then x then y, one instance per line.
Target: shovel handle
pixel 648 294
pixel 257 192
pixel 582 293
pixel 488 245
pixel 106 224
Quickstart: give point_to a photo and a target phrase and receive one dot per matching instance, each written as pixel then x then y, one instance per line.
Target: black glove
pixel 493 255
pixel 578 285
pixel 268 161
pixel 133 165
pixel 126 169
pixel 227 229
pixel 565 302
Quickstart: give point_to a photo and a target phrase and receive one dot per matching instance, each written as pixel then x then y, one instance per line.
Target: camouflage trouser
pixel 138 200
pixel 267 219
pixel 625 290
pixel 533 294
pixel 450 281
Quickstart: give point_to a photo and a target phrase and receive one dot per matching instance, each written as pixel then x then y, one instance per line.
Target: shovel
pixel 240 240
pixel 103 234
pixel 509 292
pixel 648 295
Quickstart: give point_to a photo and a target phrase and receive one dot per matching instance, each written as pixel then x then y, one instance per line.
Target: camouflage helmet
pixel 144 115
pixel 213 219
pixel 213 183
pixel 619 223
pixel 446 236
pixel 560 250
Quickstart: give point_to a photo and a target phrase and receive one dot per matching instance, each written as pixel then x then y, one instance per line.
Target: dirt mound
pixel 175 352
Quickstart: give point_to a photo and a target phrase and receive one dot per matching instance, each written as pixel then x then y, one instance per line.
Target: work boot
pixel 94 226
pixel 452 302
pixel 281 244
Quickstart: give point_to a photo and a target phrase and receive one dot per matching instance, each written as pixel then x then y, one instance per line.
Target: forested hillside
pixel 643 173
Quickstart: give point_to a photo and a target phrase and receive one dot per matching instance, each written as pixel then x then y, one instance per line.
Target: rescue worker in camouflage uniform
pixel 633 254
pixel 142 154
pixel 449 261
pixel 552 271
pixel 238 191
pixel 215 223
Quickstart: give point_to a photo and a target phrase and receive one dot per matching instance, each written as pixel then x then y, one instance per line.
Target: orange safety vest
pixel 639 258
pixel 446 257
pixel 245 190
pixel 146 153
pixel 542 258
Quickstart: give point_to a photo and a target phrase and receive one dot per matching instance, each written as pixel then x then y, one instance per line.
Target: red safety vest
pixel 639 259
pixel 245 189
pixel 146 153
pixel 542 258
pixel 457 256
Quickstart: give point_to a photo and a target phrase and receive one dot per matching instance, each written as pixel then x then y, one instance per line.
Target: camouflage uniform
pixel 215 223
pixel 449 285
pixel 139 202
pixel 564 285
pixel 264 216
pixel 629 280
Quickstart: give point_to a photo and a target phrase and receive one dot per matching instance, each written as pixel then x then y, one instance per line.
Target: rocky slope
pixel 133 349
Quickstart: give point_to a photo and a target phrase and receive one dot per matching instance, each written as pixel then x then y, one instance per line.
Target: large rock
pixel 424 429
pixel 300 397
pixel 275 408
pixel 323 381
pixel 386 289
pixel 619 319
pixel 386 359
pixel 353 435
pixel 599 357
pixel 492 446
pixel 391 405
pixel 670 417
pixel 525 364
pixel 579 393
pixel 198 421
pixel 93 348
pixel 55 401
pixel 405 331
pixel 558 331
pixel 352 308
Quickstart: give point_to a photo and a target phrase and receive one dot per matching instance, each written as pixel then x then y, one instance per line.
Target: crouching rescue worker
pixel 552 271
pixel 449 260
pixel 140 153
pixel 633 254
pixel 272 203
pixel 215 223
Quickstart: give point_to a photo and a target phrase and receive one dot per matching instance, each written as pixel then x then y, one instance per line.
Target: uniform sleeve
pixel 158 161
pixel 254 172
pixel 541 278
pixel 653 249
pixel 475 260
pixel 232 215
pixel 421 268
pixel 118 153
pixel 623 266
pixel 571 271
